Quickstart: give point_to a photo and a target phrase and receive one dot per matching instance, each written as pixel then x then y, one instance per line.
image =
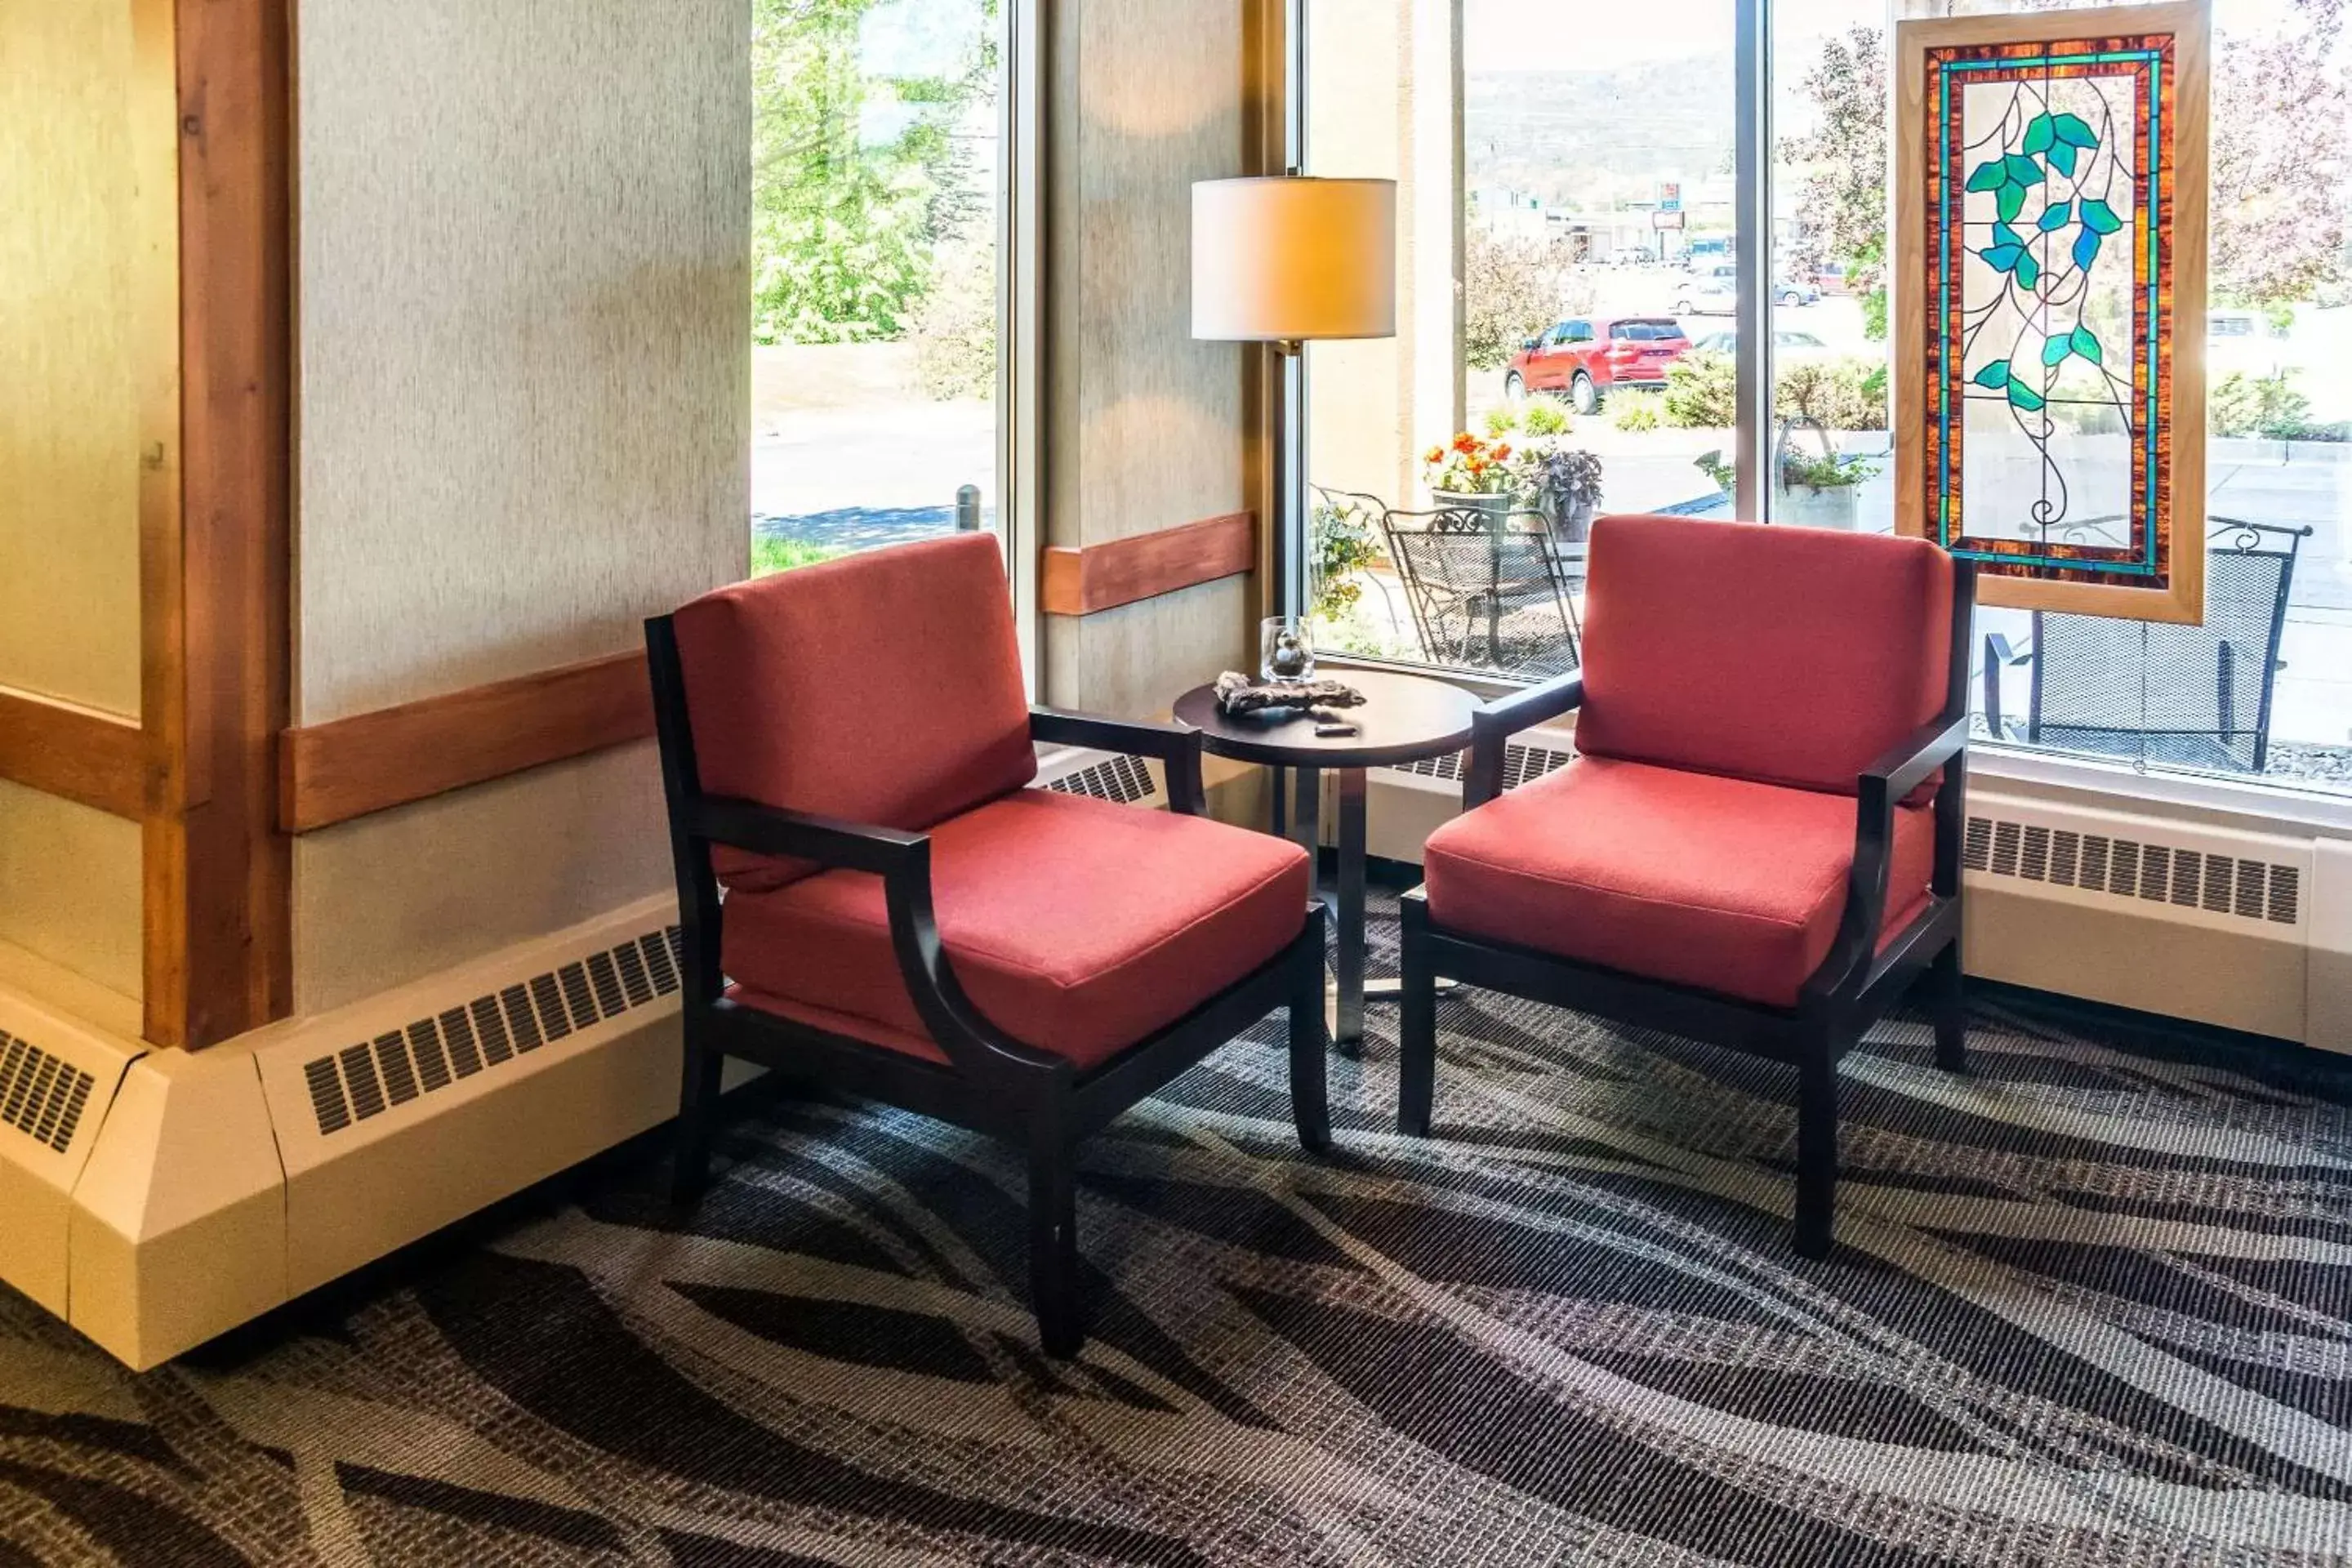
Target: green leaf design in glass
pixel 2020 170
pixel 2062 158
pixel 2029 271
pixel 2087 247
pixel 1994 375
pixel 1987 175
pixel 2099 217
pixel 2074 131
pixel 2055 216
pixel 2023 396
pixel 2055 350
pixel 2086 343
pixel 2041 134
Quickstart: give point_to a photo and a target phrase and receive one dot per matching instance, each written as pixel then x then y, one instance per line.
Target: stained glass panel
pixel 2048 254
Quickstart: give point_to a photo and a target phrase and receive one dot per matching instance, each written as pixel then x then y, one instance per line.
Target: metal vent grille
pixel 1119 778
pixel 41 1096
pixel 1520 763
pixel 399 1065
pixel 2125 868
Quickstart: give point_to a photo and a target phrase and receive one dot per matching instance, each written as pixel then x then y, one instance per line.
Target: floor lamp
pixel 1285 259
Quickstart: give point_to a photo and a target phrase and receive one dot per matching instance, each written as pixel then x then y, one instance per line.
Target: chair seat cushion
pixel 1692 878
pixel 1075 925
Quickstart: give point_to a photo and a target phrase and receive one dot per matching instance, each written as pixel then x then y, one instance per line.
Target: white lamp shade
pixel 1288 257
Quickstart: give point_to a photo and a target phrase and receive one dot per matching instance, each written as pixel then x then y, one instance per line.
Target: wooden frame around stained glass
pixel 2048 299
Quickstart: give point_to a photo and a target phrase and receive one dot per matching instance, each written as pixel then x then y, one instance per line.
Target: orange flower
pixel 1436 455
pixel 1502 452
pixel 1466 442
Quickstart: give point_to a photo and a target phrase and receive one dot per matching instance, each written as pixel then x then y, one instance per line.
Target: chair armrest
pixel 903 861
pixel 1177 746
pixel 1902 768
pixel 1492 726
pixel 1907 764
pixel 800 836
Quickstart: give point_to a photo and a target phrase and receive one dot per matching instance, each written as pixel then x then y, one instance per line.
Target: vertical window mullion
pixel 1753 216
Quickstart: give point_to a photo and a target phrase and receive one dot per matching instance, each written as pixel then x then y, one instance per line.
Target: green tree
pixel 2282 138
pixel 857 178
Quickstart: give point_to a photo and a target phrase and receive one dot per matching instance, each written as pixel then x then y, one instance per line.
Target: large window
pixel 1588 200
pixel 881 187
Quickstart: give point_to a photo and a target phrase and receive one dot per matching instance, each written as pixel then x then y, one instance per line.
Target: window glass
pixel 1455 469
pixel 878 191
pixel 2263 690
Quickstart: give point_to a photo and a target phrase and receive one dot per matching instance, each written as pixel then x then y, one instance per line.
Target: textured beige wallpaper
pixel 525 423
pixel 69 379
pixel 69 887
pixel 1145 426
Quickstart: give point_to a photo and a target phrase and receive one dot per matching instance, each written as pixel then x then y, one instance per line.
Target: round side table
pixel 1404 718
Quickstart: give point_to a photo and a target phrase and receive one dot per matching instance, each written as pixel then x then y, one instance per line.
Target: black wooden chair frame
pixel 991 1082
pixel 1854 987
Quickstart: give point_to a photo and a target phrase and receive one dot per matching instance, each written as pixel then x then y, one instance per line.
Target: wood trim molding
pixel 1081 581
pixel 345 768
pixel 214 546
pixel 82 754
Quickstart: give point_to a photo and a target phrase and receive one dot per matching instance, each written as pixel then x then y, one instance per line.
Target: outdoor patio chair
pixel 1488 589
pixel 846 746
pixel 1759 843
pixel 2202 696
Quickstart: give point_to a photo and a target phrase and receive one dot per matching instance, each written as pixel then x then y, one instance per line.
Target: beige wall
pixel 1145 429
pixel 524 406
pixel 1383 101
pixel 72 272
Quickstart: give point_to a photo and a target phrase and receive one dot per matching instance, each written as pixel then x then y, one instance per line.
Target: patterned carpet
pixel 2090 1305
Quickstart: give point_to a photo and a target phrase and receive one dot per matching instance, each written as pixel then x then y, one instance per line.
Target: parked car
pixel 1789 344
pixel 1716 292
pixel 1586 357
pixel 1706 296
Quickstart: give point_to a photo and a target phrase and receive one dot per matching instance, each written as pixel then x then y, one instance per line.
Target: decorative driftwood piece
pixel 1238 694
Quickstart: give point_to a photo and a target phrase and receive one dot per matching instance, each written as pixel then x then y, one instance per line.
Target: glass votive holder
pixel 1283 651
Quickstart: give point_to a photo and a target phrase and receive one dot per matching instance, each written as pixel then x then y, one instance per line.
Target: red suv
pixel 1587 356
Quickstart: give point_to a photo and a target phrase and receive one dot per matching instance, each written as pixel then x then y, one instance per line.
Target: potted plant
pixel 1566 485
pixel 1473 473
pixel 1819 492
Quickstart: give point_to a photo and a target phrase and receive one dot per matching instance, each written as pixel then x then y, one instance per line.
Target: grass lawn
pixel 783 554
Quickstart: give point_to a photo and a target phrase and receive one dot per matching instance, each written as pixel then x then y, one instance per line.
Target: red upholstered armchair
pixel 1759 844
pixel 845 748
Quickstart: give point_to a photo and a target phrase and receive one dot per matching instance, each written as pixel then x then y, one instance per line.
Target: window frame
pixel 2107 783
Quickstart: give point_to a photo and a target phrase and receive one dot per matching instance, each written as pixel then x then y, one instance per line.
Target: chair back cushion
pixel 884 688
pixel 1791 656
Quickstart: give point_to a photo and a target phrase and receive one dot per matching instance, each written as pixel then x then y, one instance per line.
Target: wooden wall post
pixel 213 570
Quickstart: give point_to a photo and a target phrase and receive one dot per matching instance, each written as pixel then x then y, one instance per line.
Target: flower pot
pixel 1807 507
pixel 1496 508
pixel 1571 521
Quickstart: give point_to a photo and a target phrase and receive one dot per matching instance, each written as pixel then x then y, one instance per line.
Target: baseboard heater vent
pixel 365 1079
pixel 1116 777
pixel 2218 884
pixel 41 1096
pixel 1520 763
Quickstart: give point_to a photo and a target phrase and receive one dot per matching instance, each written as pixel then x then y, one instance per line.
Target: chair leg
pixel 698 1106
pixel 1948 999
pixel 1416 1027
pixel 1310 1105
pixel 1817 1150
pixel 1054 1242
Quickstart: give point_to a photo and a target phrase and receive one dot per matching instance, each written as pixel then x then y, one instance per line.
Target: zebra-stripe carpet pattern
pixel 2091 1303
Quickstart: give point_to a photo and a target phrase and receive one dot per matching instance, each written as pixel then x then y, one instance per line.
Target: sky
pixel 1589 35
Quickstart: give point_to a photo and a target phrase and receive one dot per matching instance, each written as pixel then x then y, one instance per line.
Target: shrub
pixel 955 326
pixel 2265 405
pixel 1545 417
pixel 1843 395
pixel 771 554
pixel 1699 392
pixel 1633 412
pixel 1500 423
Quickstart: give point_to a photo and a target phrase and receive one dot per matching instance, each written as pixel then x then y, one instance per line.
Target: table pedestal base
pixel 1343 1011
